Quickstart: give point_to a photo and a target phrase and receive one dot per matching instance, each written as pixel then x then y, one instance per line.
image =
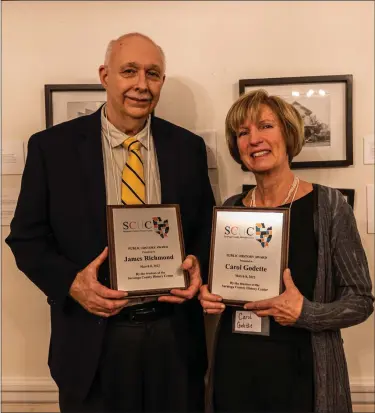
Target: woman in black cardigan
pixel 300 366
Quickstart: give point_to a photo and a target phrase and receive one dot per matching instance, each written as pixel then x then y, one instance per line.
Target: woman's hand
pixel 210 302
pixel 285 308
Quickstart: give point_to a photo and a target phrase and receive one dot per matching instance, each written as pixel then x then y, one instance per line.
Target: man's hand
pixel 178 296
pixel 93 296
pixel 211 303
pixel 285 308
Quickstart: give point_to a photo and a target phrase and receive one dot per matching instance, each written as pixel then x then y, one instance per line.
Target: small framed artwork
pixel 247 187
pixel 325 104
pixel 348 193
pixel 66 102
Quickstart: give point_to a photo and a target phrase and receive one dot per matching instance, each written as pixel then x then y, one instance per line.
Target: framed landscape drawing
pixel 66 102
pixel 325 104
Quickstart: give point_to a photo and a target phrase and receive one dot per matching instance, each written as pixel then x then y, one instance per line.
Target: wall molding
pixel 363 391
pixel 28 390
pixel 44 390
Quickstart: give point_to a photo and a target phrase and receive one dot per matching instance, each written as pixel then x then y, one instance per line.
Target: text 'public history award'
pixel 145 249
pixel 249 252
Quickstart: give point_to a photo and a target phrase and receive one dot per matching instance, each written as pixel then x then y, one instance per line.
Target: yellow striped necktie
pixel 133 181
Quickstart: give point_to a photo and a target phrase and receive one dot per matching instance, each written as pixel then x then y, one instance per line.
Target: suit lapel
pixel 91 156
pixel 167 154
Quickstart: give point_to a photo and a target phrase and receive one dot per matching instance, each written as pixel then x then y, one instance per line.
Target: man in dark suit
pixel 108 353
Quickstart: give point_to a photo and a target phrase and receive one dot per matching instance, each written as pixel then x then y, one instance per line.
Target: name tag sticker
pixel 246 322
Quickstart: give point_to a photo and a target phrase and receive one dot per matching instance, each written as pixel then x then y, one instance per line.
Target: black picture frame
pixel 347 81
pixel 50 90
pixel 349 194
pixel 247 187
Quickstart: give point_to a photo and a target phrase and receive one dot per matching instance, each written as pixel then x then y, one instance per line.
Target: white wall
pixel 209 47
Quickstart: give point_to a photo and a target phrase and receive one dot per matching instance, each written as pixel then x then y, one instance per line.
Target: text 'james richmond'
pixel 150 258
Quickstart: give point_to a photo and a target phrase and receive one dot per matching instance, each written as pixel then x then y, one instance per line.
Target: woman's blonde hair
pixel 249 105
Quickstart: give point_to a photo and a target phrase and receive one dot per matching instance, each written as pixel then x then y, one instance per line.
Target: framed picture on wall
pixel 348 193
pixel 325 104
pixel 247 187
pixel 66 102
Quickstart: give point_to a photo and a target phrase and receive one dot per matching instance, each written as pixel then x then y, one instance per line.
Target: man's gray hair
pixel 135 34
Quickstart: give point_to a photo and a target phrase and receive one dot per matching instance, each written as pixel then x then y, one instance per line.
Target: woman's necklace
pixel 293 187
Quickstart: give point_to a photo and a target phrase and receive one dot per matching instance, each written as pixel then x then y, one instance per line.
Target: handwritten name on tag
pixel 247 322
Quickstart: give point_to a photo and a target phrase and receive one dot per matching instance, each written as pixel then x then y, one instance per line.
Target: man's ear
pixel 103 75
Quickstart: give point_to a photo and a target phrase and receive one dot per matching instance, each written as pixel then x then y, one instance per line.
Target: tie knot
pixel 132 144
